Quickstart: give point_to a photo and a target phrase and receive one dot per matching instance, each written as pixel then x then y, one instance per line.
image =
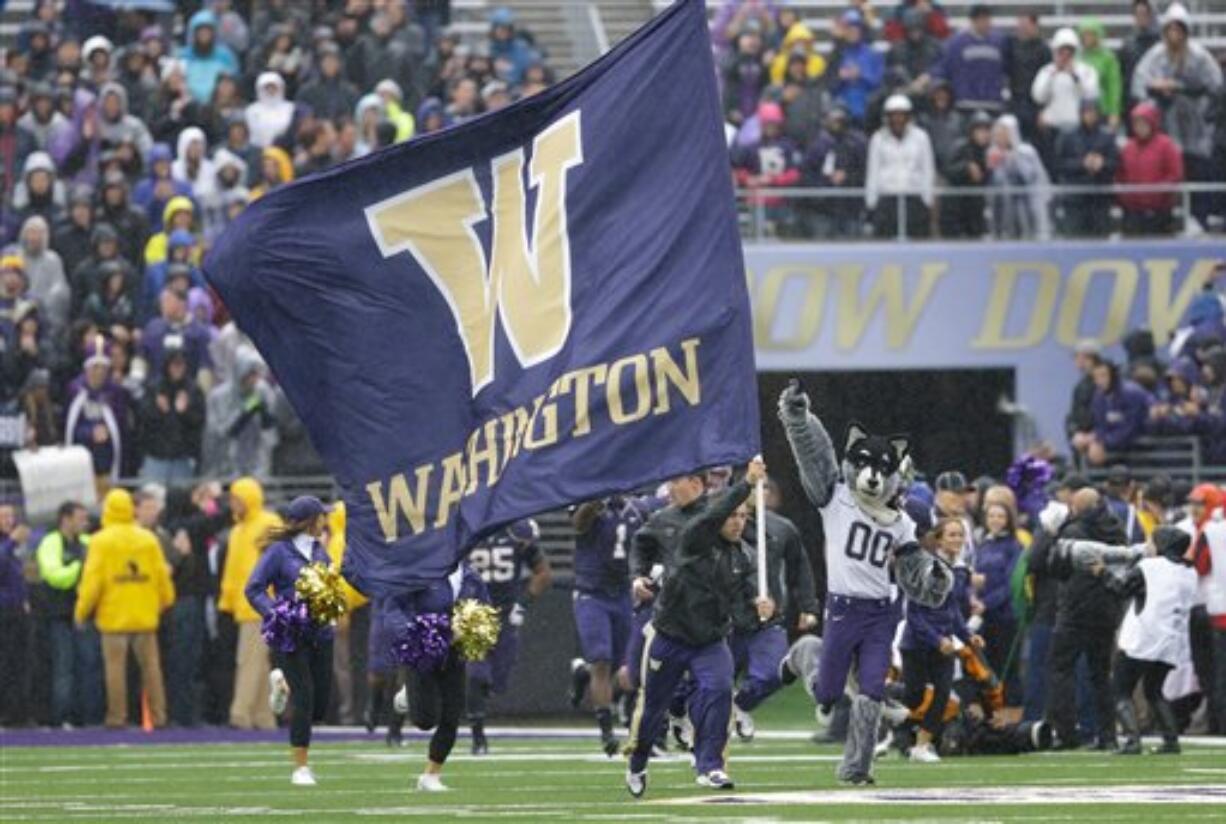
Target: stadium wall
pixel 1017 306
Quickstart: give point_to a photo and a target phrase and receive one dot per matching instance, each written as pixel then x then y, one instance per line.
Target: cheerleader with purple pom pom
pixel 433 695
pixel 299 637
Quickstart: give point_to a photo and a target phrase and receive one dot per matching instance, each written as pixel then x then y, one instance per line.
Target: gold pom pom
pixel 322 588
pixel 474 629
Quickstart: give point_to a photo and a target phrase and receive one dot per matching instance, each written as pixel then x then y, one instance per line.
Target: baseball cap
pixel 951 482
pixel 304 508
pixel 1073 483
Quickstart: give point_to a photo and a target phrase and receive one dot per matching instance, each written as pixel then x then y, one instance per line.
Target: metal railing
pixel 780 213
pixel 1177 456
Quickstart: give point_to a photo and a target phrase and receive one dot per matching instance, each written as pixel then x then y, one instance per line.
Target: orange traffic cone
pixel 146 717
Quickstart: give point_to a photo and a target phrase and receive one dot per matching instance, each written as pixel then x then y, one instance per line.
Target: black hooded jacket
pixel 1085 599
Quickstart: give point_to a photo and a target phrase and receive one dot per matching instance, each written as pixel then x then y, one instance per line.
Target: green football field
pixel 562 777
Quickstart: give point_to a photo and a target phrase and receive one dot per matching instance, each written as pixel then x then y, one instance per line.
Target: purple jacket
pixel 87 409
pixel 975 68
pixel 995 559
pixel 12 581
pixel 279 568
pixel 926 626
pixel 1120 415
pixel 191 337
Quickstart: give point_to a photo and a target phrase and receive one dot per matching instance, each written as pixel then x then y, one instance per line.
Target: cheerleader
pixel 434 699
pixel 302 678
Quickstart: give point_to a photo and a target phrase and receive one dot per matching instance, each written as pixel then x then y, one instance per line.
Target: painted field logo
pixel 526 281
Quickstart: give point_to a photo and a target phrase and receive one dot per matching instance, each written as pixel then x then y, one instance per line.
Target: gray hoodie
pixel 125 126
pixel 1187 114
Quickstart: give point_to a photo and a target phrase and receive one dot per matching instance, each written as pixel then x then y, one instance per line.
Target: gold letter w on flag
pixel 526 283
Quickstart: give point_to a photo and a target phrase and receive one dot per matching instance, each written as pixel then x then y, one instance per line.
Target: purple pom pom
pixel 1028 477
pixel 287 625
pixel 424 641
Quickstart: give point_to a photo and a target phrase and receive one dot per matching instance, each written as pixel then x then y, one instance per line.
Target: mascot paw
pixel 793 401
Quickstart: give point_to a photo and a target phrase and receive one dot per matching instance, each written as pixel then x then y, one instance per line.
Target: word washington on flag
pixel 540 306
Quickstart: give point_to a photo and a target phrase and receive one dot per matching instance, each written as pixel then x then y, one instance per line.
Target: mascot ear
pixel 855 433
pixel 901 445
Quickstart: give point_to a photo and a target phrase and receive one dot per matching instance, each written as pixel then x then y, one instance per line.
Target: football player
pixel 502 561
pixel 602 606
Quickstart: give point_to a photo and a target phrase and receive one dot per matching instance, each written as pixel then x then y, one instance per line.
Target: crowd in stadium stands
pixel 1175 388
pixel 129 141
pixel 991 108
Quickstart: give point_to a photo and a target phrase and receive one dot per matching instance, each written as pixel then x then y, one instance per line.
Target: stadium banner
pixel 540 306
pixel 987 305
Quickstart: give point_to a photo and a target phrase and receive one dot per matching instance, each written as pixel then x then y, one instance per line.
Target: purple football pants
pixel 665 663
pixel 859 630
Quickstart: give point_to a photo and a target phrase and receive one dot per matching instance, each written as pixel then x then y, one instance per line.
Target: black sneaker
pixel 610 745
pixel 1129 747
pixel 858 780
pixel 580 676
pixel 1167 748
pixel 481 745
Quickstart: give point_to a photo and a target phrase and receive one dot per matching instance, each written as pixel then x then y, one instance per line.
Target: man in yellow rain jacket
pixel 351 631
pixel 179 213
pixel 249 709
pixel 126 587
pixel 799 40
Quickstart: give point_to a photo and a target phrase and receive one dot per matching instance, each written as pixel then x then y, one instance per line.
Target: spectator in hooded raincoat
pixel 204 57
pixel 1087 156
pixel 860 67
pixel 799 40
pixel 1149 157
pixel 1107 66
pixel 1120 411
pixel 511 52
pixel 1019 182
pixel 1183 79
pixel 153 192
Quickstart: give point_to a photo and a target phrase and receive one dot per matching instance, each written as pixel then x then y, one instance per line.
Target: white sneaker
pixel 924 754
pixel 431 783
pixel 400 701
pixel 883 746
pixel 824 718
pixel 716 780
pixel 302 777
pixel 744 724
pixel 894 713
pixel 278 695
pixel 683 731
pixel 636 783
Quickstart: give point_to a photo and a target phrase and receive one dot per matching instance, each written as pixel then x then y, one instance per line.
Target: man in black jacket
pixel 963 215
pixel 687 634
pixel 1087 156
pixel 1087 613
pixel 172 423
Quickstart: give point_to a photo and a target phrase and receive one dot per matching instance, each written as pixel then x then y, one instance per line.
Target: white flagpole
pixel 760 521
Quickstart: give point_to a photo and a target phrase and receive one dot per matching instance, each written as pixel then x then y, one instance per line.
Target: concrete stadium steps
pixel 622 17
pixel 551 26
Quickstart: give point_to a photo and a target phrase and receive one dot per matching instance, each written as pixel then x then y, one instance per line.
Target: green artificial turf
pixel 567 779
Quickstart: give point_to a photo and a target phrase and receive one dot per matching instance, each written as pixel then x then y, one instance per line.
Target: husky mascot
pixel 870 543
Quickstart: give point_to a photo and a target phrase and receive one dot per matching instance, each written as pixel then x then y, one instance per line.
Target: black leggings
pixel 1151 674
pixel 921 667
pixel 436 701
pixel 308 670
